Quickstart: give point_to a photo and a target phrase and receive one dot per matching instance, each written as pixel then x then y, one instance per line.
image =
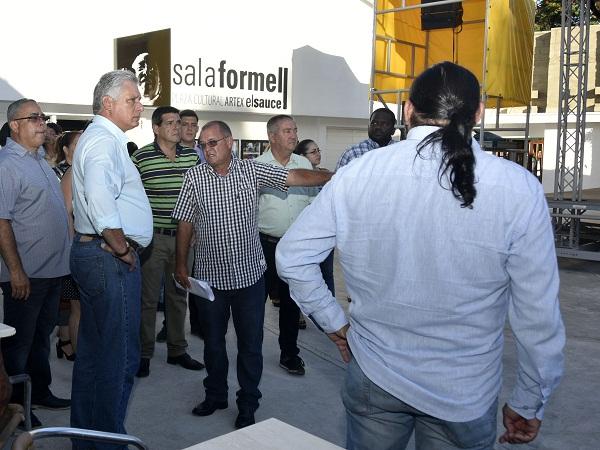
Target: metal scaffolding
pixel 574 237
pixel 516 150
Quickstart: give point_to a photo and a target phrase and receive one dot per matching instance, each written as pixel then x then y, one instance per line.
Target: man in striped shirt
pixel 162 165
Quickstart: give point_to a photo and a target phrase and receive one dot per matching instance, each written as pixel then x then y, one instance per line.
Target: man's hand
pixel 128 258
pixel 518 429
pixel 19 281
pixel 339 339
pixel 181 276
pixel 19 285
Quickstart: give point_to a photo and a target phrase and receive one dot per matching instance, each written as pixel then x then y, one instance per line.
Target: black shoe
pixel 162 335
pixel 35 423
pixel 51 402
pixel 293 364
pixel 244 419
pixel 185 361
pixel 144 369
pixel 207 407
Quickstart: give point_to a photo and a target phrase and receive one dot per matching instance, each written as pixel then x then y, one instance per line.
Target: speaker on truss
pixel 441 16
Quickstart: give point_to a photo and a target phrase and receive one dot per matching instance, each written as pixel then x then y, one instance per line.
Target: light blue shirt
pixel 31 199
pixel 432 283
pixel 107 189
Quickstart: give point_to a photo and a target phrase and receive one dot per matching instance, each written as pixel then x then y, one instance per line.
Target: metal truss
pixel 567 205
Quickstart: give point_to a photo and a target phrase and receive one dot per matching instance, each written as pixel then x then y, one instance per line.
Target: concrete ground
pixel 160 407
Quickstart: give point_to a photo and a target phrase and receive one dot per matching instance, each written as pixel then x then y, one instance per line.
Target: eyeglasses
pixel 35 118
pixel 210 143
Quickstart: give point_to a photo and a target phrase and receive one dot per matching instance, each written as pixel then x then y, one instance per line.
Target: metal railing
pixel 25 440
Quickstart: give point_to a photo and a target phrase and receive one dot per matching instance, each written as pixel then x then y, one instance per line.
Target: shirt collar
pixel 178 148
pixel 16 148
pixel 233 164
pixel 110 126
pixel 270 159
pixel 421 132
pixel 374 144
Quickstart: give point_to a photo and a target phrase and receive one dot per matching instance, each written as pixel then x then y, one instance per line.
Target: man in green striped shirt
pixel 162 165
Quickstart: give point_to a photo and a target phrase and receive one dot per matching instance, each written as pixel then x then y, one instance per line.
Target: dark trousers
pixel 327 272
pixel 247 306
pixel 108 347
pixel 289 313
pixel 33 319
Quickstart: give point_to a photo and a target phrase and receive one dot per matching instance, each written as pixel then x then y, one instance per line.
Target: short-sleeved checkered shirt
pixel 356 151
pixel 224 211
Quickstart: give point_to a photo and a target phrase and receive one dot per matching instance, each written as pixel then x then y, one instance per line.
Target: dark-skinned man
pixel 382 125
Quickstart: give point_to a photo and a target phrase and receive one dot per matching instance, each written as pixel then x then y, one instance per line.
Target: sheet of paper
pixel 198 287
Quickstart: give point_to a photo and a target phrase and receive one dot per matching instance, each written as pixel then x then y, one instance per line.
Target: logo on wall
pixel 148 55
pixel 226 87
pixel 205 82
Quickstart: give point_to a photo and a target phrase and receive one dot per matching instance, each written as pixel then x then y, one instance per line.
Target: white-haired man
pixel 113 222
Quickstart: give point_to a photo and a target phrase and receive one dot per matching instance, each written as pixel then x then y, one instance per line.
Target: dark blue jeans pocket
pixel 88 273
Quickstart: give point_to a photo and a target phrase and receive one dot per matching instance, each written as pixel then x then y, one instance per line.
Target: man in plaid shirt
pixel 219 201
pixel 382 125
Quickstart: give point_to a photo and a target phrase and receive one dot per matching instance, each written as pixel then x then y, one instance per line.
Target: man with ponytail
pixel 439 243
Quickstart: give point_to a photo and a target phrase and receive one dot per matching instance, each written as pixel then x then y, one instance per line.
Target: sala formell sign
pixel 200 82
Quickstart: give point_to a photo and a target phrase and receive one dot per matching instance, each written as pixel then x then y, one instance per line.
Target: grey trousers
pixel 158 261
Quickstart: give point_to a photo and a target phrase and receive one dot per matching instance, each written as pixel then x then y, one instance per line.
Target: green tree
pixel 548 14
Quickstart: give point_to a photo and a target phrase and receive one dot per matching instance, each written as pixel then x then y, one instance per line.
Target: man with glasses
pixel 189 130
pixel 113 223
pixel 162 165
pixel 34 250
pixel 220 200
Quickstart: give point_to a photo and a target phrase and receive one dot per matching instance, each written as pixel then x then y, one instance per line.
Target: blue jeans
pixel 247 306
pixel 108 347
pixel 376 419
pixel 33 319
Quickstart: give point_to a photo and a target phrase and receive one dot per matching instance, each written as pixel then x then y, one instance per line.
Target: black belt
pixel 134 245
pixel 271 239
pixel 166 231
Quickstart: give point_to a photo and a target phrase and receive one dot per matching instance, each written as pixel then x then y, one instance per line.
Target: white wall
pixel 55 51
pixel 59 49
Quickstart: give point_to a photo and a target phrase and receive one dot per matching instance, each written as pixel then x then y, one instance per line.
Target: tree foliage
pixel 548 14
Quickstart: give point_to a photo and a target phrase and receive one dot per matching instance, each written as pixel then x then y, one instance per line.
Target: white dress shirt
pixel 107 189
pixel 432 283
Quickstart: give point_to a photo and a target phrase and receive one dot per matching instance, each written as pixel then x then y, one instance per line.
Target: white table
pixel 6 331
pixel 271 434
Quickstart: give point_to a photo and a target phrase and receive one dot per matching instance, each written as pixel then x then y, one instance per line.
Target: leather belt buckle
pixel 166 231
